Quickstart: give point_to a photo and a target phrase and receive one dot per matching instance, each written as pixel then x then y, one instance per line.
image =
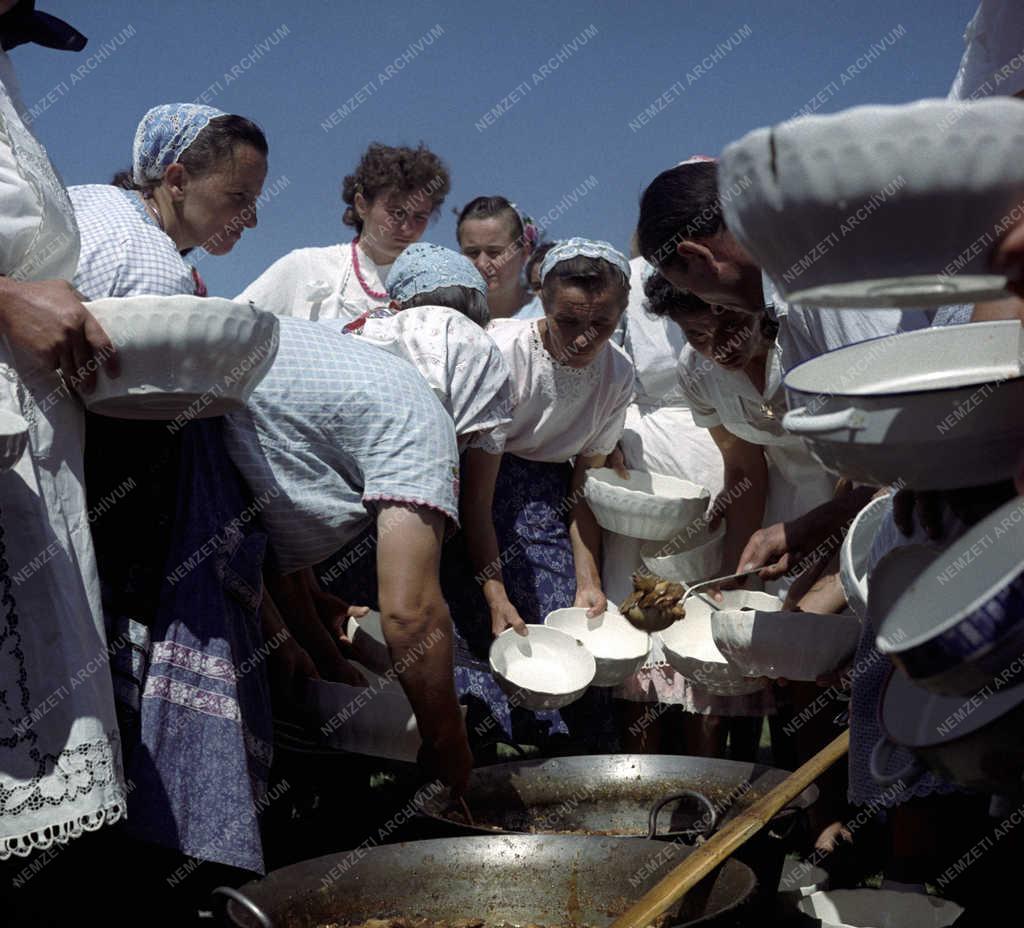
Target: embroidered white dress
pixel 60 767
pixel 319 283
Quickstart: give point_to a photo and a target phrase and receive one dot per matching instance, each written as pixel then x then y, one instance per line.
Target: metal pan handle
pixel 880 755
pixel 785 822
pixel 233 895
pixel 801 422
pixel 709 819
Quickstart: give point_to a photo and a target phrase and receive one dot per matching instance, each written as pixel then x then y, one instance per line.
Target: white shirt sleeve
pixel 38 233
pixel 993 61
pixel 282 287
pixel 20 208
pixel 457 358
pixel 692 370
pixel 807 333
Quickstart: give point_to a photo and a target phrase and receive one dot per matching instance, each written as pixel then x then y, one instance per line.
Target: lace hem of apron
pixel 61 833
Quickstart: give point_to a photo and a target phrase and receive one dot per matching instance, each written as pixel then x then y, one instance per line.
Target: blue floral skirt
pixel 188 657
pixel 530 514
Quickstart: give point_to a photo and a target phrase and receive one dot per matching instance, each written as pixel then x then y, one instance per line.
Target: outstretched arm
pixel 418 630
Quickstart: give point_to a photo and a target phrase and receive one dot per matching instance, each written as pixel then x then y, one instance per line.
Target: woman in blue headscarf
pixel 189 679
pixel 196 174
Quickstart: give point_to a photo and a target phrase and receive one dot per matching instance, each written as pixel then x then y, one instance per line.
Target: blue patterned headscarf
pixel 164 133
pixel 424 267
pixel 583 248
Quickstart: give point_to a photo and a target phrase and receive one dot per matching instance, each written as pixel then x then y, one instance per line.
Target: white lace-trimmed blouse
pixel 560 411
pixel 60 769
pixel 319 283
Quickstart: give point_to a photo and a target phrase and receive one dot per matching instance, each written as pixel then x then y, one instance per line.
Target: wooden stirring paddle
pixel 720 845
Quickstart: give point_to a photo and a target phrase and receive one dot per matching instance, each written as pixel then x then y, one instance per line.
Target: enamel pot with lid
pixel 937 409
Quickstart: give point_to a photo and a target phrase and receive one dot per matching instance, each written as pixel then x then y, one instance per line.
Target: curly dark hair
pixel 665 300
pixel 416 173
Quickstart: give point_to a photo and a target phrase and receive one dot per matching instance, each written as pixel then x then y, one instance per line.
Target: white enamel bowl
pixel 545 669
pixel 376 719
pixel 651 507
pixel 689 557
pixel 879 908
pixel 879 205
pixel 856 550
pixel 619 647
pixel 956 627
pixel 690 645
pixel 791 645
pixel 187 356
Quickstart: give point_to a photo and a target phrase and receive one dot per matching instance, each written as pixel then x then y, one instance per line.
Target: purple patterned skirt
pixel 530 512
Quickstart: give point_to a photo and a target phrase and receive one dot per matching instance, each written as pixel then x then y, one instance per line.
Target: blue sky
pixel 587 101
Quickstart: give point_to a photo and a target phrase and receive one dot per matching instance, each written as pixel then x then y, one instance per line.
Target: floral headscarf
pixel 164 134
pixel 583 247
pixel 423 267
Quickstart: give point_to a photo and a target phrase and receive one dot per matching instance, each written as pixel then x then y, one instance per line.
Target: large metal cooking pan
pixel 624 795
pixel 513 879
pixel 608 794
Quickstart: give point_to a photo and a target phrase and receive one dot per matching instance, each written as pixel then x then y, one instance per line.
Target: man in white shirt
pixel 682 232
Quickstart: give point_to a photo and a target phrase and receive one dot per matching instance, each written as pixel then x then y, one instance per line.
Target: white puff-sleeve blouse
pixel 319 283
pixel 561 411
pixel 458 359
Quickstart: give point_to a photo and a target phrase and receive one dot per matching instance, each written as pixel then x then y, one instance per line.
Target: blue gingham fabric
pixel 335 427
pixel 124 252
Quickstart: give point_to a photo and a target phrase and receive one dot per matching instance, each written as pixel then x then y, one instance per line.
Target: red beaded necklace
pixel 376 294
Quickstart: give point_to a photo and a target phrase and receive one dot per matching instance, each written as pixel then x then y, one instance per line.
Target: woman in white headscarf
pixel 60 772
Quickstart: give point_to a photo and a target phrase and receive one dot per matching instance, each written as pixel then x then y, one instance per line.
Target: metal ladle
pixel 691 590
